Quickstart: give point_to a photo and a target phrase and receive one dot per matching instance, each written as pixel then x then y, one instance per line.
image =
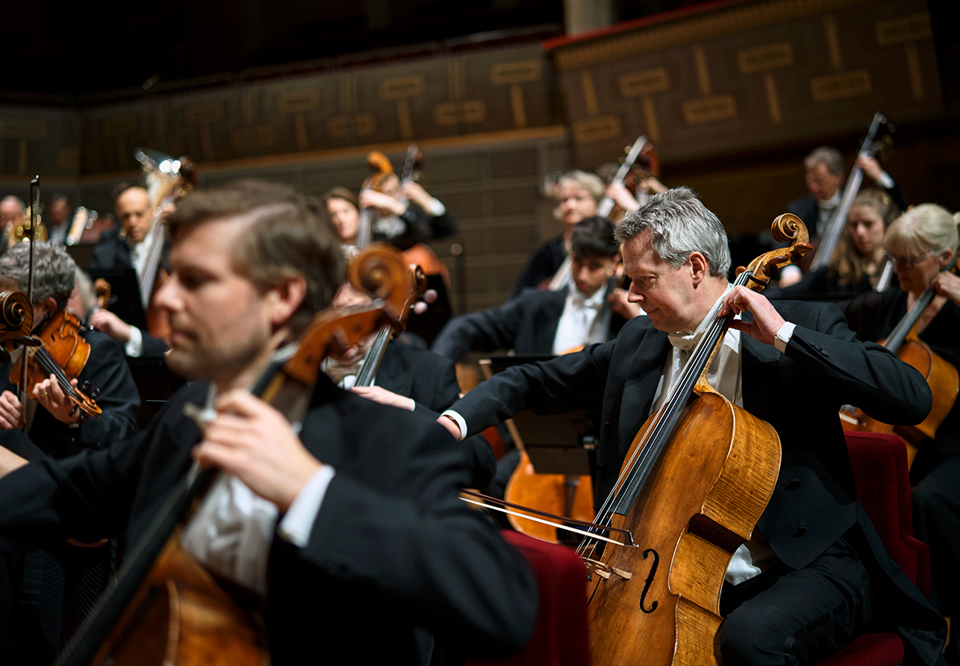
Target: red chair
pixel 880 473
pixel 560 637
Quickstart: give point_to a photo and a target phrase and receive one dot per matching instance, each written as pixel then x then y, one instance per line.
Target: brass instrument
pixel 20 231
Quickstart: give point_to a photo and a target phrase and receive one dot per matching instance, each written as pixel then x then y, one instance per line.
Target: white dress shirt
pixel 232 529
pixel 580 314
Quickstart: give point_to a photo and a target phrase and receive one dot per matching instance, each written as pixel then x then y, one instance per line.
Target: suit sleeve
pixel 854 372
pixel 487 330
pixel 565 383
pixel 107 370
pixel 444 565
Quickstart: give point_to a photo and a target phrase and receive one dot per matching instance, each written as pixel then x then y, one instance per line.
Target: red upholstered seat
pixel 560 636
pixel 880 473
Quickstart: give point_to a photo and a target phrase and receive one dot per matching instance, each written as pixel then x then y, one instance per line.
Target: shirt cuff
pixel 790 270
pixel 134 346
pixel 458 420
pixel 298 521
pixel 783 336
pixel 885 181
pixel 436 207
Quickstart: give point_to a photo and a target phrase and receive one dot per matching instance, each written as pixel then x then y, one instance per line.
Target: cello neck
pixel 903 328
pixel 606 204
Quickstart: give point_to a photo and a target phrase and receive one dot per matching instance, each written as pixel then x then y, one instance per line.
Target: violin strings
pixel 50 367
pixel 638 468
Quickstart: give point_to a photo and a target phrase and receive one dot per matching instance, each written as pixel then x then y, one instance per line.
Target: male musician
pixel 127 249
pixel 64 576
pixel 56 218
pixel 11 212
pixel 352 529
pixel 543 322
pixel 815 574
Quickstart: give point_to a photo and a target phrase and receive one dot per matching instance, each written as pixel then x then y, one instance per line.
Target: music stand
pixel 557 443
pixel 124 294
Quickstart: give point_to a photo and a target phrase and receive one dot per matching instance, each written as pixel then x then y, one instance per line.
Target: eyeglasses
pixel 909 262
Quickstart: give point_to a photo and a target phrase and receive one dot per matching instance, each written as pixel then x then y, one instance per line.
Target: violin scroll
pixel 16 318
pixel 786 228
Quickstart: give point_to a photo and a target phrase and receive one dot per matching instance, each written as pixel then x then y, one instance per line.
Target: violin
pixel 58 349
pixel 941 376
pixel 683 527
pixel 165 607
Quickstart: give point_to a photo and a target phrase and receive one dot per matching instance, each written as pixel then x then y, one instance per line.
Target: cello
pixel 164 607
pixel 941 376
pixel 684 527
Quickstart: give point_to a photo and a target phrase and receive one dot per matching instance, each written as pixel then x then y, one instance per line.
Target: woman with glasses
pixel 858 258
pixel 921 244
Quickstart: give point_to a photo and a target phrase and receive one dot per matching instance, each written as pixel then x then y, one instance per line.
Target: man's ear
pixel 699 268
pixel 48 305
pixel 285 298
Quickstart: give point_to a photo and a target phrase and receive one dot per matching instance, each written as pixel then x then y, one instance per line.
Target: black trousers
pixel 936 522
pixel 786 616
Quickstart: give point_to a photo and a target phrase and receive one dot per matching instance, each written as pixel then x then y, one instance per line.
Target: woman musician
pixel 858 259
pixel 922 243
pixel 45 606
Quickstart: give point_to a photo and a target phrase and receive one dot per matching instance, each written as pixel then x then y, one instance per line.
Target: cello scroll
pixel 787 228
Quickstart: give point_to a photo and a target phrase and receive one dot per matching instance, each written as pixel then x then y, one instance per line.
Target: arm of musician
pixel 385 397
pixel 382 202
pixel 621 196
pixel 119 400
pixel 652 185
pixel 947 284
pixel 415 193
pixel 116 328
pixel 789 276
pixel 562 384
pixel 872 168
pixel 621 306
pixel 421 547
pixel 853 372
pixel 11 411
pixel 487 330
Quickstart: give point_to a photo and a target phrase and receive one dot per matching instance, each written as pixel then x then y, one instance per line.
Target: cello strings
pixel 638 468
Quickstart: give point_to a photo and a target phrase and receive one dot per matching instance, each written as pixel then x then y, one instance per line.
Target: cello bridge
pixel 604 570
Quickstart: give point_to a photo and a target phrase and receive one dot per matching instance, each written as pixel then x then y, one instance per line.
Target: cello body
pixel 184 618
pixel 686 527
pixel 944 382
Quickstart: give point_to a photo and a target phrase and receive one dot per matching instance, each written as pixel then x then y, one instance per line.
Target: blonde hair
pixel 588 181
pixel 922 229
pixel 845 262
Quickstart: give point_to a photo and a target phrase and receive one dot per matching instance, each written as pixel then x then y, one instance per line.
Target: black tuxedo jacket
pixel 799 393
pixel 527 325
pixel 392 548
pixel 431 381
pixel 542 265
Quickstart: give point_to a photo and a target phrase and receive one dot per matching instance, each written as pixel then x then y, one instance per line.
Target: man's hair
pixel 11 197
pixel 340 192
pixel 54 271
pixel 921 229
pixel 120 188
pixel 594 237
pixel 286 237
pixel 588 181
pixel 825 155
pixel 679 225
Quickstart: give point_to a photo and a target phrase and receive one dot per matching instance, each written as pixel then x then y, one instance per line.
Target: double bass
pixel 655 599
